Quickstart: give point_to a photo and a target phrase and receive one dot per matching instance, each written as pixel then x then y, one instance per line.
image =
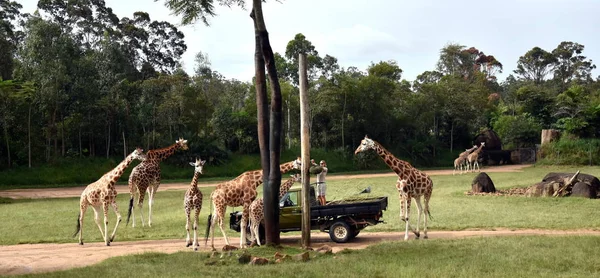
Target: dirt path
pixel 76 191
pixel 38 258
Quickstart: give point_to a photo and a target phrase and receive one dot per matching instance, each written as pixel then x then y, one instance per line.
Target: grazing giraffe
pixel 103 192
pixel 240 191
pixel 257 208
pixel 473 158
pixel 146 176
pixel 193 201
pixel 415 185
pixel 460 163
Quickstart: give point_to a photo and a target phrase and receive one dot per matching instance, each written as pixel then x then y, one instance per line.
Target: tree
pixel 570 64
pixel 269 138
pixel 293 49
pixel 535 65
pixel 10 15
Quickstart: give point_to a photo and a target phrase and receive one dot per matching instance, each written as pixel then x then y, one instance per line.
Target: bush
pixel 518 131
pixel 568 151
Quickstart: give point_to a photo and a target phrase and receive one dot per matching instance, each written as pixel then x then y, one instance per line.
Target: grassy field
pixel 522 256
pixel 54 220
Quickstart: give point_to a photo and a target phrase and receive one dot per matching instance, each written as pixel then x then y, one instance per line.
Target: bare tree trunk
pixel 271 191
pixel 124 145
pixel 7 144
pixel 80 143
pixel 29 136
pixel 62 135
pixel 108 140
pixel 289 124
pixel 305 151
pixel 452 136
pixel 343 117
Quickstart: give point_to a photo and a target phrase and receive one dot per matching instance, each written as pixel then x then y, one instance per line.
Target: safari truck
pixel 342 219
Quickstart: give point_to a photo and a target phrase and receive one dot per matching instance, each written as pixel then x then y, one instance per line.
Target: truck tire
pixel 340 232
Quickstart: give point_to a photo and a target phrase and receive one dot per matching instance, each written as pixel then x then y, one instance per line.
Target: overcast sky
pixel 360 32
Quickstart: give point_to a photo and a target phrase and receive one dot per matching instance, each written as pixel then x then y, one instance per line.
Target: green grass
pixel 54 220
pixel 513 256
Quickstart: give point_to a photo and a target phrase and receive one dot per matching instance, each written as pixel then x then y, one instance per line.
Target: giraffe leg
pixel 245 213
pixel 405 216
pixel 187 226
pixel 426 214
pixel 197 213
pixel 105 210
pixel 116 209
pixel 97 219
pixel 140 205
pixel 151 191
pixel 419 212
pixel 81 215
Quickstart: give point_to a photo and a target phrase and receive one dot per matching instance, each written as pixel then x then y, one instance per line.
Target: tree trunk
pixel 451 136
pixel 108 140
pixel 289 123
pixel 29 135
pixel 62 135
pixel 343 117
pixel 271 191
pixel 80 143
pixel 7 145
pixel 124 146
pixel 305 151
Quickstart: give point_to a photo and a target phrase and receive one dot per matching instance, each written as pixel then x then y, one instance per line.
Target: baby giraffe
pixel 257 208
pixel 193 200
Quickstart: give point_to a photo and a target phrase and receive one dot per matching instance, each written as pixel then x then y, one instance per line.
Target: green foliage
pixel 571 151
pixel 517 131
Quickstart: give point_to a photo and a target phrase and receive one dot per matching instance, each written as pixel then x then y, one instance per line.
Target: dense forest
pixel 78 81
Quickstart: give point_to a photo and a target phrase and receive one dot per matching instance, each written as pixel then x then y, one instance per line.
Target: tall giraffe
pixel 257 207
pixel 193 201
pixel 240 191
pixel 460 163
pixel 146 176
pixel 473 158
pixel 103 192
pixel 415 185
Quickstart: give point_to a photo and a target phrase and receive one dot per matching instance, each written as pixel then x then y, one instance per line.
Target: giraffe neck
pixel 478 150
pixel 118 171
pixel 285 187
pixel 159 155
pixel 195 179
pixel 397 165
pixel 286 167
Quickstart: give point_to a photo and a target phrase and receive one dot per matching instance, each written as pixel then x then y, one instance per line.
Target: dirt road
pixel 38 258
pixel 76 191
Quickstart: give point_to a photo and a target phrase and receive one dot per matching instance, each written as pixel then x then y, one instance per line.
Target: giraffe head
pixel 297 164
pixel 138 154
pixel 198 165
pixel 182 144
pixel 365 144
pixel 297 177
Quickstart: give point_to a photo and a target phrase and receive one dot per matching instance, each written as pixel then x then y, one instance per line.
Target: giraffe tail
pixel 130 210
pixel 78 225
pixel 208 224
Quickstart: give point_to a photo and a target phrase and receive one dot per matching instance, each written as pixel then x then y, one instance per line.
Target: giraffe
pixel 257 207
pixel 415 185
pixel 240 191
pixel 193 201
pixel 146 176
pixel 473 157
pixel 461 161
pixel 103 192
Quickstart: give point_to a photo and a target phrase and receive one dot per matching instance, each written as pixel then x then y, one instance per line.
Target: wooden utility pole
pixel 305 150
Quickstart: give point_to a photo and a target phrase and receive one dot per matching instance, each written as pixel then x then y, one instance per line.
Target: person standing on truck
pixel 321 185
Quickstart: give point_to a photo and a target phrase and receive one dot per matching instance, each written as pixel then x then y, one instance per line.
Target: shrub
pixel 517 131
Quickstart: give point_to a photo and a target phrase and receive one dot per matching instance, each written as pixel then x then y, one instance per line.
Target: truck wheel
pixel 340 232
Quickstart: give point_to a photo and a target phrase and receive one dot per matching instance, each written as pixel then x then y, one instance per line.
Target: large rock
pixel 561 177
pixel 583 189
pixel 491 139
pixel 542 189
pixel 483 183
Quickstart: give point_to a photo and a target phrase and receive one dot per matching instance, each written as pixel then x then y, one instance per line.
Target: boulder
pixel 491 139
pixel 542 189
pixel 583 189
pixel 258 261
pixel 483 183
pixel 562 177
pixel 302 257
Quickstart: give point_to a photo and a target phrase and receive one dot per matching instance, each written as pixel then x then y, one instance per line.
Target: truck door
pixel 290 214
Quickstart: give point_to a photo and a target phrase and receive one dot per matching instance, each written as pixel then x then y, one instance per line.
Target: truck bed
pixel 350 207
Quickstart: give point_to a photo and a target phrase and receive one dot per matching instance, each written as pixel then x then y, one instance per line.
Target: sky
pixel 359 33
